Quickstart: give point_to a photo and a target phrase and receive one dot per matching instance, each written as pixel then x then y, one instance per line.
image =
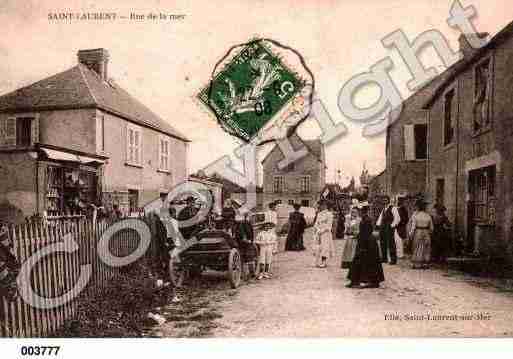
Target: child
pixel 266 240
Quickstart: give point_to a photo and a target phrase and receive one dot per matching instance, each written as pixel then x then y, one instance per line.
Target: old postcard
pixel 265 169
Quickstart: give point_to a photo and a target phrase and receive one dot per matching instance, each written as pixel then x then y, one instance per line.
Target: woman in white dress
pixel 353 220
pixel 323 235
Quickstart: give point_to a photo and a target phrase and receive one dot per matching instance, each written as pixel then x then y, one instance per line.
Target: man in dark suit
pixel 387 221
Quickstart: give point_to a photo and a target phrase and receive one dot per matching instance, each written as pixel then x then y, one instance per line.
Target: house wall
pixel 309 165
pixel 148 180
pixel 72 129
pixel 443 159
pixel 396 182
pixel 494 147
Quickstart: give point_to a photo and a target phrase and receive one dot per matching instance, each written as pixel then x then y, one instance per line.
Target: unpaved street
pixel 304 301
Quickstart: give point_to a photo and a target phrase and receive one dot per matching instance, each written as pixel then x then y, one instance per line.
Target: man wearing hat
pixel 189 211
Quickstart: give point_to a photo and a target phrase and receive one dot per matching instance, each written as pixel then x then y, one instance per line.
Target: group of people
pixel 367 246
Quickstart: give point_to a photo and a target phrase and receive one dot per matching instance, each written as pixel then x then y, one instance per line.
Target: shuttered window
pixel 19 131
pixel 164 154
pixel 134 145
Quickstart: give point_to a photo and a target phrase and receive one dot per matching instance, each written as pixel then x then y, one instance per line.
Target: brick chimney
pixel 95 59
pixel 465 47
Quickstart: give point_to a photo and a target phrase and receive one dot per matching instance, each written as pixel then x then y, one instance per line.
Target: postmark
pixel 257 91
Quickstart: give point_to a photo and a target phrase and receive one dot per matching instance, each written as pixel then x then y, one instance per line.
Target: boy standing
pixel 266 240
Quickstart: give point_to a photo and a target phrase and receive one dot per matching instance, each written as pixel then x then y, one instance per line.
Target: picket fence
pixel 57 273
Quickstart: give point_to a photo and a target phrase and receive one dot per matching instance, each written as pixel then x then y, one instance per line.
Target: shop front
pixel 68 183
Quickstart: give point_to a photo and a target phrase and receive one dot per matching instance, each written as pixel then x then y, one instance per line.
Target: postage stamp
pixel 251 89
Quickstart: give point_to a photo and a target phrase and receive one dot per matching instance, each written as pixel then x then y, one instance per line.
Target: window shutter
pixel 34 131
pixel 159 153
pixel 128 144
pixel 140 147
pixel 8 132
pixel 409 143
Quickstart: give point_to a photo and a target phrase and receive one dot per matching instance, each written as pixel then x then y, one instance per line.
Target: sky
pixel 164 64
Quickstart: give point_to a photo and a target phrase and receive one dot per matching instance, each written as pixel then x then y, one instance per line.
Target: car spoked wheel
pixel 234 268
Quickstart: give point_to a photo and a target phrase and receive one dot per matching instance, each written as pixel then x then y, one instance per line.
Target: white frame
pixel 308 181
pixel 132 160
pixel 164 139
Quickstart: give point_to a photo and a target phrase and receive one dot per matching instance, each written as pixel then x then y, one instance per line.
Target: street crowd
pixel 369 243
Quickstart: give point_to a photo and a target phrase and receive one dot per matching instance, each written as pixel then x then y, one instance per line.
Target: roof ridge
pixel 87 84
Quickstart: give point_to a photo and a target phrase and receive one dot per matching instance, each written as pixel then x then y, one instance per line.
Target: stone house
pixel 77 137
pixel 406 145
pixel 300 182
pixel 471 147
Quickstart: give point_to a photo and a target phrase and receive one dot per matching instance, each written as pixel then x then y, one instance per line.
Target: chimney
pixel 95 59
pixel 465 47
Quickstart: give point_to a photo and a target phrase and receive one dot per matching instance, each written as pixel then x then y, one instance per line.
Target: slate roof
pixel 314 147
pixel 81 87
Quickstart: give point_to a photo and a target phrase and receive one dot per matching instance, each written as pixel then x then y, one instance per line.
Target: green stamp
pixel 250 90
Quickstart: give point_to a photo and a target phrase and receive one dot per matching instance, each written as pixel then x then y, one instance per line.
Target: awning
pixel 85 159
pixel 65 156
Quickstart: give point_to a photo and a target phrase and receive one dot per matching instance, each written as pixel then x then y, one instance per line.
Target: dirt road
pixel 304 301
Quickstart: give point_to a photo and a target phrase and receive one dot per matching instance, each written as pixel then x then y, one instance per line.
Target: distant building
pixel 300 182
pixel 377 185
pixel 76 138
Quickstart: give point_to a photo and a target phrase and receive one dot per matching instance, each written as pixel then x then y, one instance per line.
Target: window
pixel 305 203
pixel 304 184
pixel 164 149
pixel 449 119
pixel 291 202
pixel 420 133
pixel 415 142
pixel 134 145
pixel 481 96
pixel 482 194
pixel 19 131
pixel 278 184
pixel 290 167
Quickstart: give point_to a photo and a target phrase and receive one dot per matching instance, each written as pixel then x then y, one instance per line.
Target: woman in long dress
pixel 353 220
pixel 366 266
pixel 421 230
pixel 323 236
pixel 440 243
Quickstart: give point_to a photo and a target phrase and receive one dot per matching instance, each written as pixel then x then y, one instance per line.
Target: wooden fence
pixel 57 273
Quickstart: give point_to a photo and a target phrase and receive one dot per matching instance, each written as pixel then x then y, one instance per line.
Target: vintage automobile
pixel 212 249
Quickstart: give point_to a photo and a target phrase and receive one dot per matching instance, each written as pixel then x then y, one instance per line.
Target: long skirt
pixel 421 247
pixel 366 266
pixel 399 245
pixel 348 252
pixel 325 247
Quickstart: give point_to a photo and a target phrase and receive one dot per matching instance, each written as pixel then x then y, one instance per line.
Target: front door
pixel 481 205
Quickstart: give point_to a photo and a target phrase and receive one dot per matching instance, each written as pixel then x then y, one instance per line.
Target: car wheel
pixel 234 268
